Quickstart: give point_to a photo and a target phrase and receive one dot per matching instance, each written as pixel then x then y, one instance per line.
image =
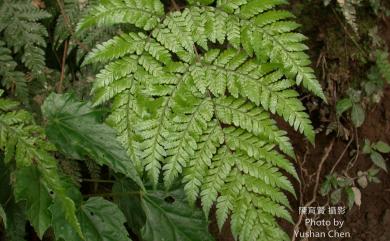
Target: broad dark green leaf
pixel 50 176
pixel 166 215
pixel 30 187
pixel 102 220
pixel 33 185
pixel 61 227
pixel 63 230
pixel 16 218
pixel 16 221
pixel 169 217
pixel 74 127
pixel 5 183
pixel 128 199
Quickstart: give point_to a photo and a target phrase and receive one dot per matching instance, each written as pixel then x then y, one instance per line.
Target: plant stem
pixel 60 84
pixel 97 180
pixel 112 194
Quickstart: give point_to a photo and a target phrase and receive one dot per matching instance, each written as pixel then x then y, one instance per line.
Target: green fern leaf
pixel 117 47
pixel 10 76
pixel 154 130
pixel 211 139
pixel 192 94
pixel 24 33
pixel 254 119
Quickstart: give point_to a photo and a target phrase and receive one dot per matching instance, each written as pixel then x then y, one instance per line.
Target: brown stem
pixel 97 180
pixel 113 194
pixel 68 25
pixel 60 85
pixel 341 156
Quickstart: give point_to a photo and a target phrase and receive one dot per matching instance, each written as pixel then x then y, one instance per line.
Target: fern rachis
pixel 196 85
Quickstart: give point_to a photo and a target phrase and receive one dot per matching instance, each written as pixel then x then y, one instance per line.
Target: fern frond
pixel 204 2
pixel 240 75
pixel 34 58
pixel 348 8
pixel 11 78
pixel 263 171
pixel 24 33
pixel 192 94
pixel 23 41
pixel 64 27
pixel 29 12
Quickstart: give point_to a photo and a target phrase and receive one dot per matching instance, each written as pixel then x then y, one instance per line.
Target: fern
pixel 10 77
pixel 24 37
pixel 348 8
pixel 23 32
pixel 192 92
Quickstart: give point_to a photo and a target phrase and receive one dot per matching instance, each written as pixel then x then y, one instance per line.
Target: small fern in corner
pixel 24 36
pixel 193 90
